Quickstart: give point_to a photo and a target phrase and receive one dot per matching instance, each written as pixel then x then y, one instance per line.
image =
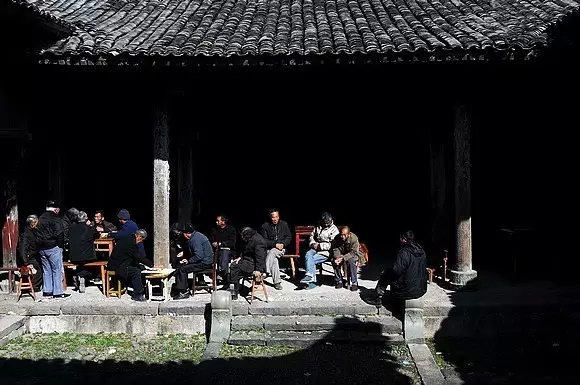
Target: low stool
pixel 117 291
pixel 258 284
pixel 25 282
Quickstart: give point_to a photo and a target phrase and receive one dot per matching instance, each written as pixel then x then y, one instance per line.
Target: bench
pixel 100 264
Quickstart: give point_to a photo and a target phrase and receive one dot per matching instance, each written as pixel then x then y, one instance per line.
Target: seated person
pixel 252 262
pixel 408 276
pixel 28 251
pixel 278 236
pixel 128 227
pixel 201 259
pixel 223 239
pixel 320 244
pixel 101 225
pixel 346 249
pixel 82 248
pixel 177 244
pixel 125 261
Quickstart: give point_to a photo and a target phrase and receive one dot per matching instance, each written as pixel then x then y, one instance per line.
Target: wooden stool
pixel 430 272
pixel 209 287
pixel 163 285
pixel 107 285
pixel 10 271
pixel 258 285
pixel 25 282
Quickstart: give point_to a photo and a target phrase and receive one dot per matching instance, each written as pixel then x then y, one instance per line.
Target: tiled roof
pixel 226 28
pixel 45 15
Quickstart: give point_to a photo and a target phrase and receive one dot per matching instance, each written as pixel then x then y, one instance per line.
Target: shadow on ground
pixel 322 363
pixel 522 343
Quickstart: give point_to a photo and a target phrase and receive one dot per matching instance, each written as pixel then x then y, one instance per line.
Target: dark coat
pixel 125 254
pixel 410 272
pixel 279 233
pixel 27 247
pixel 82 243
pixel 255 253
pixel 50 231
pixel 226 237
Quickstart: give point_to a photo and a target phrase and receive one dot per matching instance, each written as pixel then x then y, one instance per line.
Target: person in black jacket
pixel 50 244
pixel 82 248
pixel 252 262
pixel 101 225
pixel 278 236
pixel 408 276
pixel 125 261
pixel 28 251
pixel 223 239
pixel 177 244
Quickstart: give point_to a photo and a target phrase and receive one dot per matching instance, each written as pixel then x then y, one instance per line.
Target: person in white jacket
pixel 320 245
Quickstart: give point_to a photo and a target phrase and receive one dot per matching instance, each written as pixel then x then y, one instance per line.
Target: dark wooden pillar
pixel 161 185
pixel 185 170
pixel 462 272
pixel 440 219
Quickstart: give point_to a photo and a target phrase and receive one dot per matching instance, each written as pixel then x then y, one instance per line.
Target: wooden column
pixel 10 226
pixel 161 185
pixel 462 273
pixel 185 176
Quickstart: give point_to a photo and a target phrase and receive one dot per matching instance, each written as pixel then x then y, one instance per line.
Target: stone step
pixel 11 326
pixel 366 324
pixel 309 338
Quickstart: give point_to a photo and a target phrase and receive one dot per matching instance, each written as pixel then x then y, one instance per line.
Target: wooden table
pixel 105 244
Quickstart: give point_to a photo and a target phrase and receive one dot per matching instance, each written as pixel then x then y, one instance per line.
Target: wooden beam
pixel 161 185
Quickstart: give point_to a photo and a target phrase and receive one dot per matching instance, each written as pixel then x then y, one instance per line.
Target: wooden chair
pixel 25 282
pixel 119 290
pixel 213 272
pixel 257 285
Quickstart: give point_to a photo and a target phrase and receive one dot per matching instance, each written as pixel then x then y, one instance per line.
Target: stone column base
pixel 462 279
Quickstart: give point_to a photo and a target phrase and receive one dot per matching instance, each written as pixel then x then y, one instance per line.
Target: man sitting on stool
pixel 408 276
pixel 201 259
pixel 125 261
pixel 346 249
pixel 253 259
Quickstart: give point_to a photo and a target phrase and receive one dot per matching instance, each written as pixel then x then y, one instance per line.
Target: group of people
pixel 46 237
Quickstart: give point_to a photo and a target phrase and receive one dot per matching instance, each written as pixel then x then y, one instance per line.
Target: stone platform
pixel 495 308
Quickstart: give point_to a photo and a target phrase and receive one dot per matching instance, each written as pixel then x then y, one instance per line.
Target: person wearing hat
pixel 320 244
pixel 50 235
pixel 128 227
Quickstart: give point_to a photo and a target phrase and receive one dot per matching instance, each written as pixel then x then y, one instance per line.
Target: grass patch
pixel 98 347
pixel 232 351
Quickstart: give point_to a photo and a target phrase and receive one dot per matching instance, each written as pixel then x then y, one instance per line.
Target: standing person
pixel 408 276
pixel 28 249
pixel 51 243
pixel 278 236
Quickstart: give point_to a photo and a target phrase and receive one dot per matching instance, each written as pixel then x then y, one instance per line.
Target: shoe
pixel 64 295
pixel 181 296
pixel 76 282
pixel 375 301
pixel 81 284
pixel 307 279
pixel 138 298
pixel 44 294
pixel 353 287
pixel 339 285
pixel 310 286
pixel 278 286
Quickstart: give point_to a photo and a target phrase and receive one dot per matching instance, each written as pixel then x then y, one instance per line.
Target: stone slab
pixel 9 323
pixel 183 308
pixel 248 322
pixel 113 306
pixel 119 323
pixel 426 365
